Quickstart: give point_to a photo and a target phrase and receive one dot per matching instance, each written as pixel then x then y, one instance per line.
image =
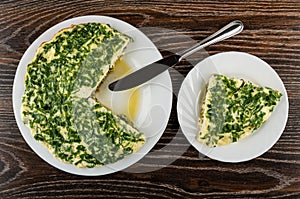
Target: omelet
pixel 233 109
pixel 59 106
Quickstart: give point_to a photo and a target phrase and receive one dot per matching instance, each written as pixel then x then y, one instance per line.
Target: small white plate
pixel 154 110
pixel 239 65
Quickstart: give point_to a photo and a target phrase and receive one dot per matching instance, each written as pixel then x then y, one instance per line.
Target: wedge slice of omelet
pixel 232 109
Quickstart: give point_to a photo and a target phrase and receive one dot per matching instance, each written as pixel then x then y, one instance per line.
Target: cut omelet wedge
pixel 233 109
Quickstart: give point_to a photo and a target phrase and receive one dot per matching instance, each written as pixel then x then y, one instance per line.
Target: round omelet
pixel 58 104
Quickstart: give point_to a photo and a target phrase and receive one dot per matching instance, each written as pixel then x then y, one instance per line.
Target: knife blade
pixel 150 71
pixel 144 74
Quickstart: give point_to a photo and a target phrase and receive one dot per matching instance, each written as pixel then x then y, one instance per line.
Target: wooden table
pixel 272 32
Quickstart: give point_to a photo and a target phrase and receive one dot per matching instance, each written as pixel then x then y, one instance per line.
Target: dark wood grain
pixel 272 32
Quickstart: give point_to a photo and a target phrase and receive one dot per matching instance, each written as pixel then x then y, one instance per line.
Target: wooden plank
pixel 272 32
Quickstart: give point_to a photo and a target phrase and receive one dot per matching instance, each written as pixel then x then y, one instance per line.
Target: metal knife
pixel 150 71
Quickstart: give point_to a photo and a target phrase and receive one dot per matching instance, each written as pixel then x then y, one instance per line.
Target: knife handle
pixel 231 29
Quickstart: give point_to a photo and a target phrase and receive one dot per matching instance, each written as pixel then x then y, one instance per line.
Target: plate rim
pixel 195 143
pixel 23 66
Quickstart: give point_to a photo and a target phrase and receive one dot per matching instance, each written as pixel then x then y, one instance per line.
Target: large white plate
pixel 240 65
pixel 154 111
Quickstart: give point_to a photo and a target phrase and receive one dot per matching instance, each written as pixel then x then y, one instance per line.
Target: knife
pixel 150 71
